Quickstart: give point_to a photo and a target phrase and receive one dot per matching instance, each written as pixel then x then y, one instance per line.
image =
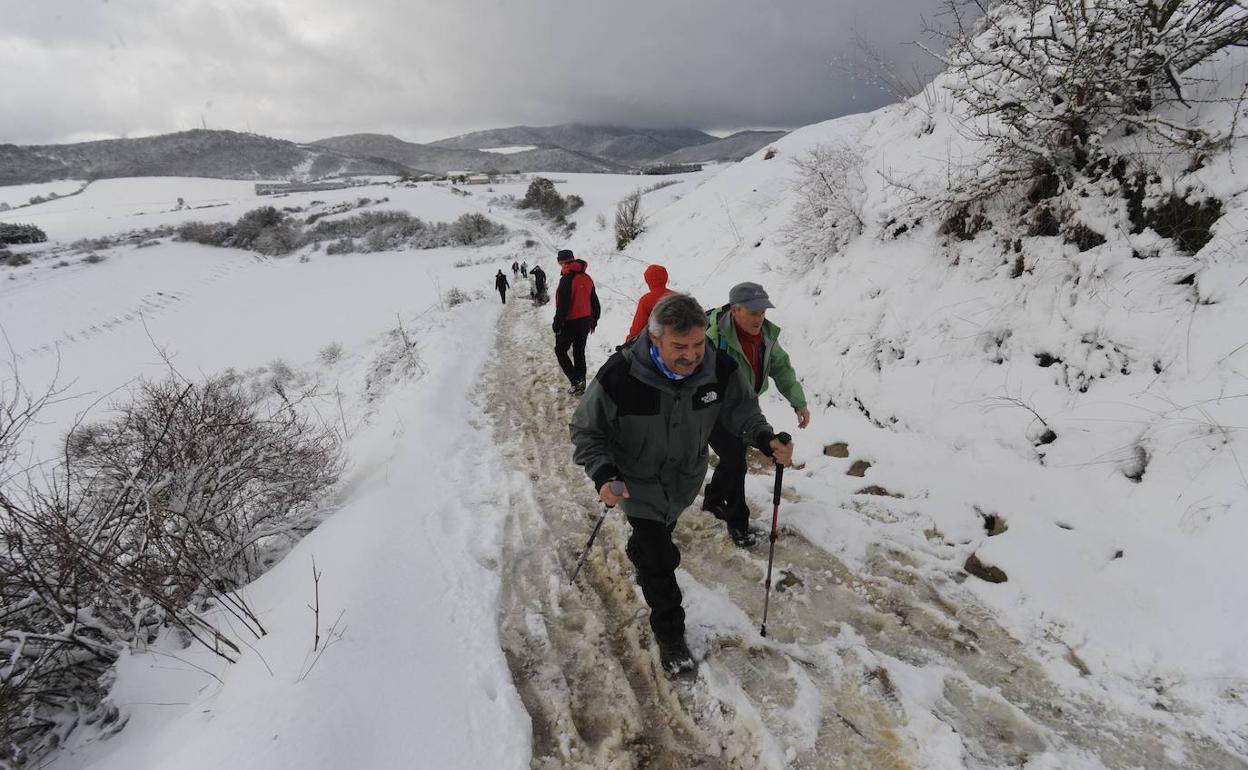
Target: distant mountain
pixel 446 159
pixel 202 153
pixel 634 146
pixel 727 150
pixel 434 159
pixel 557 159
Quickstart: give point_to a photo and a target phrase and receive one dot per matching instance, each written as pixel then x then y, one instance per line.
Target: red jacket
pixel 656 279
pixel 575 298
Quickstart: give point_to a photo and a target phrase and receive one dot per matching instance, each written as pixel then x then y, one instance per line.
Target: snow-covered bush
pixel 11 232
pixel 265 230
pixel 152 518
pixel 455 296
pixel 330 354
pixel 1048 83
pixel 830 194
pixel 473 229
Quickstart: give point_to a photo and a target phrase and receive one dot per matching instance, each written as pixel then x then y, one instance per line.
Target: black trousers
pixel 728 480
pixel 656 557
pixel 502 293
pixel 573 336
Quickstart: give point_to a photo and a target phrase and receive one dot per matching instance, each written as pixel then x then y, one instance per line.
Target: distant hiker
pixel 539 285
pixel 646 420
pixel 741 329
pixel 500 283
pixel 524 269
pixel 515 269
pixel 576 317
pixel 656 279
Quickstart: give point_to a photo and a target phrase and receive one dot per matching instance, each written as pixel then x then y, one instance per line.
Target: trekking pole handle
pixel 617 488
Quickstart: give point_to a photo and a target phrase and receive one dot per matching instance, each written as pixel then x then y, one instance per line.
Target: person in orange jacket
pixel 656 279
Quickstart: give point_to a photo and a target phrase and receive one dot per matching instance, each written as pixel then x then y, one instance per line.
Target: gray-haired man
pixel 741 330
pixel 646 420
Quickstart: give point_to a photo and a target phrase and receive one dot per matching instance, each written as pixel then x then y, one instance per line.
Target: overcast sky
pixel 73 70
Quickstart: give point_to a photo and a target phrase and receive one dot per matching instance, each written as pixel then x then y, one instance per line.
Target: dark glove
pixel 556 327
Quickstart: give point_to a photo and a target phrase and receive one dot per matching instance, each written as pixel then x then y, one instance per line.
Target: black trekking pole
pixel 617 488
pixel 775 531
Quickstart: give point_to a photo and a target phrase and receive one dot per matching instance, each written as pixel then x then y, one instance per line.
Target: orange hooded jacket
pixel 656 279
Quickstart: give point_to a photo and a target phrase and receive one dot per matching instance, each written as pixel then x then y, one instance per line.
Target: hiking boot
pixel 742 538
pixel 716 506
pixel 675 657
pixel 578 388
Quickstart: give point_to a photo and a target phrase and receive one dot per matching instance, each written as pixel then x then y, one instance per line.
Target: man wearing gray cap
pixel 742 330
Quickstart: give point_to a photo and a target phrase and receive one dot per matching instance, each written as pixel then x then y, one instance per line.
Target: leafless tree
pixel 629 222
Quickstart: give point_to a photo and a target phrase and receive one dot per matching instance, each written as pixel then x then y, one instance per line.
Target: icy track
pixel 889 667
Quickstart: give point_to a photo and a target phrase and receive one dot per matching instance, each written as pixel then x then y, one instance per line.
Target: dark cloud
pixel 303 69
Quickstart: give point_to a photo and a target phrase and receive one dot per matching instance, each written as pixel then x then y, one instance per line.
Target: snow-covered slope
pixel 942 363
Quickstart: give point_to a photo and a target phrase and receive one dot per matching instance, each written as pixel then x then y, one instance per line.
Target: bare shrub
pixel 830 195
pixel 152 518
pixel 629 222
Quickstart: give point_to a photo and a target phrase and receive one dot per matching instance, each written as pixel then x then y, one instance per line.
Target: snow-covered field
pixel 1123 609
pixel 23 194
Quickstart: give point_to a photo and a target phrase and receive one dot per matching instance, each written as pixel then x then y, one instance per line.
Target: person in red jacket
pixel 576 317
pixel 656 279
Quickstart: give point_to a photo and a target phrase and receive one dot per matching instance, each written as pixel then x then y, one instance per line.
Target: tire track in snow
pixel 823 692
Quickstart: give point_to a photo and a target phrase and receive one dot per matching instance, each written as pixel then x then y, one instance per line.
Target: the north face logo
pixel 710 396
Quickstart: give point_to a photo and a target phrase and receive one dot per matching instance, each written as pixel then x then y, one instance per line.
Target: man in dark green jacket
pixel 645 421
pixel 742 330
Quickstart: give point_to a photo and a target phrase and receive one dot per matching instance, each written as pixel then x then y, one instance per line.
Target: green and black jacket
pixel 722 333
pixel 636 425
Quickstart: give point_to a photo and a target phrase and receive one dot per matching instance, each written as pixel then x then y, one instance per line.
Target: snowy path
pixel 897 667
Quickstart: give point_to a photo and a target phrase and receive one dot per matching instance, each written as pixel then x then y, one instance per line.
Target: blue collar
pixel 668 373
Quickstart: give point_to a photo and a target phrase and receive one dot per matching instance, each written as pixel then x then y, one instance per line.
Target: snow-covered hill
pixel 944 363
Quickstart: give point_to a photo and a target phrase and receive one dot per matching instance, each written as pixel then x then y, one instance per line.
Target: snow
pixel 917 351
pixel 408 558
pixel 405 564
pixel 20 195
pixel 510 150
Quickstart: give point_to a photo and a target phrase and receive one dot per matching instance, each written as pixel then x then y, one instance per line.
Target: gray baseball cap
pixel 750 296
